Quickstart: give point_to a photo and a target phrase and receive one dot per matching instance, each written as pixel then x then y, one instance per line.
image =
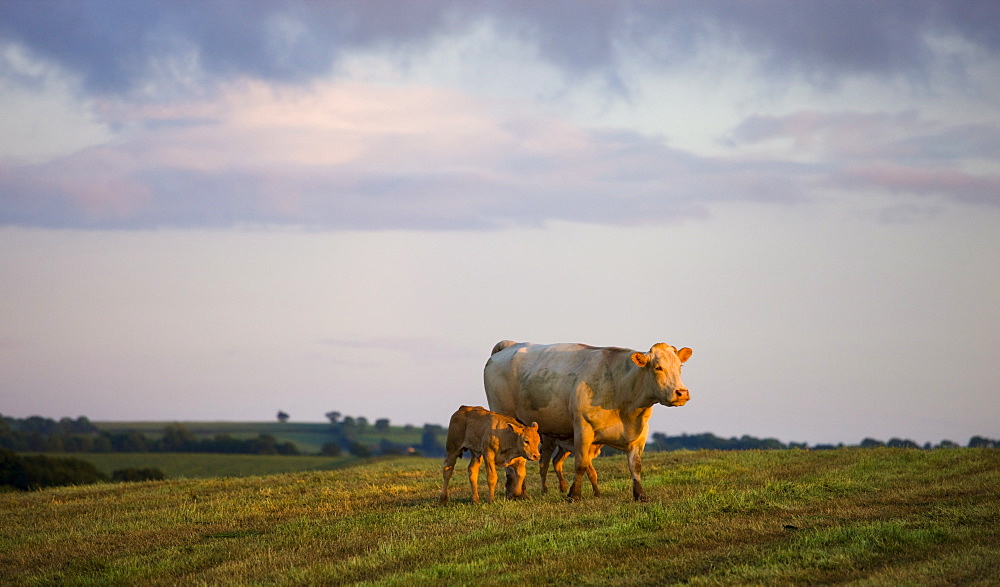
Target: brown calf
pixel 497 439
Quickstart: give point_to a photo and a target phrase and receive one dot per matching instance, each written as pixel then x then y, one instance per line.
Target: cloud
pixel 118 47
pixel 845 135
pixel 349 155
pixel 895 153
pixel 227 114
pixel 951 184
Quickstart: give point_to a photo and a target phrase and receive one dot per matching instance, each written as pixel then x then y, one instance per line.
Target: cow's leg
pixel 592 472
pixel 449 468
pixel 584 438
pixel 546 451
pixel 561 457
pixel 474 463
pixel 635 468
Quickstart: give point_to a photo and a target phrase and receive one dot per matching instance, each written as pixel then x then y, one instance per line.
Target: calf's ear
pixel 534 425
pixel 640 359
pixel 684 354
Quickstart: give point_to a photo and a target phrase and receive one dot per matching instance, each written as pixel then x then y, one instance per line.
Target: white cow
pixel 594 395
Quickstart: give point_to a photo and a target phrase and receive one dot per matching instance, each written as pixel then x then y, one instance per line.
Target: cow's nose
pixel 683 392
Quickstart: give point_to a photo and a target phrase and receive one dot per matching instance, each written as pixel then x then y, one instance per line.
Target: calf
pixel 497 439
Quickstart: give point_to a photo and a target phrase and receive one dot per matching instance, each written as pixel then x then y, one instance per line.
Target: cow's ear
pixel 684 354
pixel 511 426
pixel 640 359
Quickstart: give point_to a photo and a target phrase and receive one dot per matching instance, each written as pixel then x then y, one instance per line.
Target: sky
pixel 217 210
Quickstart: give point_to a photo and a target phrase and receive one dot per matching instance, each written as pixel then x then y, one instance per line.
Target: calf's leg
pixel 491 474
pixel 449 468
pixel 517 472
pixel 474 463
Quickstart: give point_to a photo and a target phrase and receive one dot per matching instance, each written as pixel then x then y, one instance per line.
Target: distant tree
pixel 983 442
pixel 134 474
pixel 34 472
pixel 331 449
pixel 362 424
pixel 871 443
pixel 282 417
pixel 382 425
pixel 901 443
pixel 348 429
pixel 387 447
pixel 947 444
pixel 133 441
pixel 177 438
pixel 429 444
pixel 334 417
pixel 359 450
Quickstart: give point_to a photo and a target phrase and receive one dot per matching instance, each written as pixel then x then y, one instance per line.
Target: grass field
pixel 205 465
pixel 875 516
pixel 309 437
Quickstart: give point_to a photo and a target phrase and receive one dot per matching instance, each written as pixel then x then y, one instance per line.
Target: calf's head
pixel 526 441
pixel 661 373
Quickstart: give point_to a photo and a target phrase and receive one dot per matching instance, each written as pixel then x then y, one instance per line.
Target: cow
pixel 594 395
pixel 557 450
pixel 497 439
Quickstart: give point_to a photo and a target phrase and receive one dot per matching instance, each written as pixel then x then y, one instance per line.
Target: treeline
pixel 345 430
pixel 36 434
pixel 34 472
pixel 30 472
pixel 710 441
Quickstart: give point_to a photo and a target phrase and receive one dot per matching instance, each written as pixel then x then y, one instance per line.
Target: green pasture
pixel 309 437
pixel 863 516
pixel 205 465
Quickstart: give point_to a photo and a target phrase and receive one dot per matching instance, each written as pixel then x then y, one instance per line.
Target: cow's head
pixel 661 373
pixel 527 441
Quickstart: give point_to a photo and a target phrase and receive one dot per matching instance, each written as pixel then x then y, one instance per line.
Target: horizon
pixel 275 420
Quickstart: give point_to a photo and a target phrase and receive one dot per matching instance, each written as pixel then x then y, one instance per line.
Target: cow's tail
pixel 501 346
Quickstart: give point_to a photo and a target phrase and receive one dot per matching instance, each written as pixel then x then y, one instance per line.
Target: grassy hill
pixel 309 437
pixel 207 465
pixel 877 516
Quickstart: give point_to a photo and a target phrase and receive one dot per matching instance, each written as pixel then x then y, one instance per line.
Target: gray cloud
pixel 116 45
pixel 188 168
pixel 614 177
pixel 608 177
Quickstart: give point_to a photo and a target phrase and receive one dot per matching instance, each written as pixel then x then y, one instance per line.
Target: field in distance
pixel 893 516
pixel 309 437
pixel 188 465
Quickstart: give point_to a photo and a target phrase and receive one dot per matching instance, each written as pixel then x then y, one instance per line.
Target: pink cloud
pixel 950 183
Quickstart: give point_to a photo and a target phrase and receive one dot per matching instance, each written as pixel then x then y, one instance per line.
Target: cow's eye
pixel 658 368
